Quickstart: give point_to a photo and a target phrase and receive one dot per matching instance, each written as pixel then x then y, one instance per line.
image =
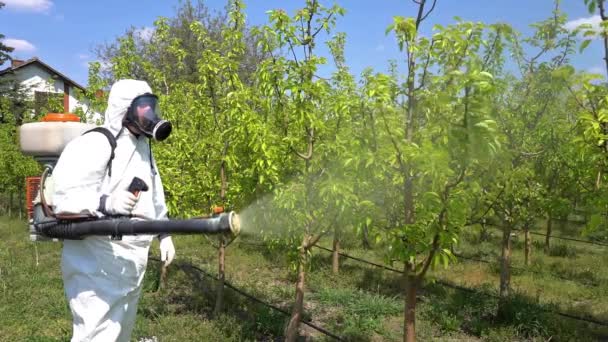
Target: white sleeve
pixel 79 175
pixel 158 196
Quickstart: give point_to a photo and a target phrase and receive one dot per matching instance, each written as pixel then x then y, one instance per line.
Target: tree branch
pixel 420 13
pixel 397 150
pixel 426 66
pixel 429 12
pixel 429 258
pixel 489 207
pixel 315 239
pixel 321 27
pixel 308 154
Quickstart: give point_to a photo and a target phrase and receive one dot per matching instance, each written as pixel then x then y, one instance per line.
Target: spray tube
pixel 78 228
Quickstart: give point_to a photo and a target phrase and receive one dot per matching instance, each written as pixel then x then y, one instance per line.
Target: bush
pixel 538 245
pixel 457 310
pixel 502 334
pixel 442 314
pixel 527 317
pixel 515 271
pixel 585 276
pixel 360 312
pixel 562 250
pixel 599 235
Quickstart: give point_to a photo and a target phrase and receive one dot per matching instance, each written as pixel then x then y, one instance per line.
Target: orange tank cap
pixel 61 117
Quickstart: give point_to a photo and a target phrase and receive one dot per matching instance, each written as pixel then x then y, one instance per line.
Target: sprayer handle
pixel 137 185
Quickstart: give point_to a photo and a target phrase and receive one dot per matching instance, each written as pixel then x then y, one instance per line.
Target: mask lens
pixel 145 113
pixel 145 110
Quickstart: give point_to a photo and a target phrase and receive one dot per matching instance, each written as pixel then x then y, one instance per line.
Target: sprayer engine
pixel 44 141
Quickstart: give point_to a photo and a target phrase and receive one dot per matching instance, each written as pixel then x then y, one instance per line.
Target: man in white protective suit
pixel 103 276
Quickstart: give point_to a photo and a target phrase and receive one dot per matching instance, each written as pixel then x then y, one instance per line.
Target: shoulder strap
pixel 111 140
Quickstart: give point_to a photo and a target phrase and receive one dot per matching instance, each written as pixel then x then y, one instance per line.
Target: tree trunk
pixel 10 204
pixel 483 233
pixel 366 243
pixel 563 223
pixel 293 328
pixel 548 237
pixel 221 252
pixel 600 6
pixel 20 206
pixel 409 334
pixel 162 280
pixel 505 271
pixel 219 292
pixel 36 254
pixel 528 246
pixel 335 257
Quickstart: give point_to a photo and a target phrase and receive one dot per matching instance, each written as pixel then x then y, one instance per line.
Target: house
pixel 50 89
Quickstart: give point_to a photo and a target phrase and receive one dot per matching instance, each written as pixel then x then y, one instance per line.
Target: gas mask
pixel 144 114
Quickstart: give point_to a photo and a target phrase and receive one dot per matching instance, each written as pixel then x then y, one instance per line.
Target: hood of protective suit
pixel 121 95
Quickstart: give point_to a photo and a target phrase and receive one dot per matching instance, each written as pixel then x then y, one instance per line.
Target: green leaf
pixel 584 45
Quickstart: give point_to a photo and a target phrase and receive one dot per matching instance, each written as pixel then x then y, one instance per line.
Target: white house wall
pixel 36 78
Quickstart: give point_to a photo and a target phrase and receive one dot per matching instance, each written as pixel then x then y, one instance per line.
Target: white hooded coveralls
pixel 103 278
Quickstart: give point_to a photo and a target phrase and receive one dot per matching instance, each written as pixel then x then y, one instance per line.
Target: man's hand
pixel 167 249
pixel 120 202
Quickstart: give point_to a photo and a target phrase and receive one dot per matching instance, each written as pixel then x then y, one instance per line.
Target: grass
pixel 362 303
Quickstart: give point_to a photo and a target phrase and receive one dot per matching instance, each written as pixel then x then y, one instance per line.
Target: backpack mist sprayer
pixel 45 141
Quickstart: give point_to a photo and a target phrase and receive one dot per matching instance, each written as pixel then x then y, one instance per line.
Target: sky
pixel 63 33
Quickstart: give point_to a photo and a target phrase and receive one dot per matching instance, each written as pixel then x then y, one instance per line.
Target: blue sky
pixel 63 32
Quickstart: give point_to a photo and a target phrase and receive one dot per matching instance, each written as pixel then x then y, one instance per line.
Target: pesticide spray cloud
pixel 263 217
pixel 308 206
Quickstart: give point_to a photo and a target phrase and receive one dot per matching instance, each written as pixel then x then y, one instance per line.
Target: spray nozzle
pixel 235 223
pixel 230 218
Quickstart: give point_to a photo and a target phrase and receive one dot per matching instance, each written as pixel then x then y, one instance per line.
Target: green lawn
pixel 363 303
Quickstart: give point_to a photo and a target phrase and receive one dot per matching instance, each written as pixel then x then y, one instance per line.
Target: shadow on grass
pixel 475 313
pixel 190 291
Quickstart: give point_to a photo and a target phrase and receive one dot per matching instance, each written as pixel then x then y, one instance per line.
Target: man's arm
pixel 79 174
pixel 158 195
pixel 167 249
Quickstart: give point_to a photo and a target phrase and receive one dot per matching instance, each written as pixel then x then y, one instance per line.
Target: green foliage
pixel 15 103
pixel 443 147
pixel 562 250
pixel 15 109
pixel 170 52
pixel 4 50
pixel 35 307
pixel 471 312
pixel 408 157
pixel 94 95
pixel 528 318
pixel 361 313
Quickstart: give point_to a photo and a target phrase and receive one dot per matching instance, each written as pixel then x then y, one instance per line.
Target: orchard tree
pixel 179 36
pixel 525 109
pixel 209 158
pixel 438 129
pixel 591 96
pixel 308 119
pixel 565 169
